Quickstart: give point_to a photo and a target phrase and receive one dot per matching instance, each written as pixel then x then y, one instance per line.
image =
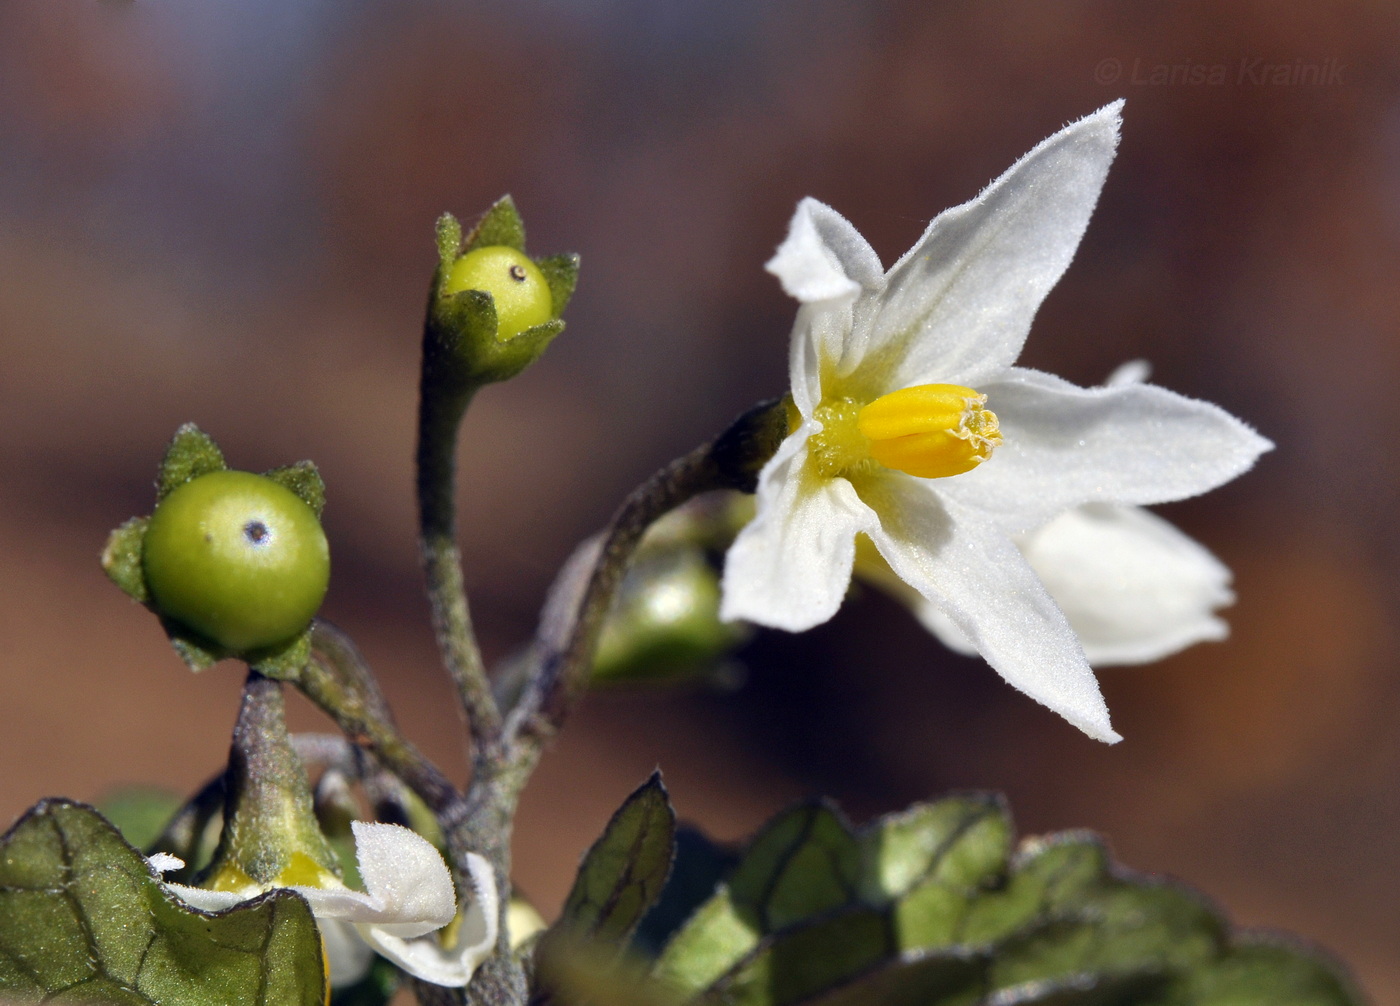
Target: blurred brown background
pixel 223 213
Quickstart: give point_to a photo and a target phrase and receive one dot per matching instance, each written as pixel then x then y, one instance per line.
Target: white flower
pixel 408 896
pixel 1134 588
pixel 915 429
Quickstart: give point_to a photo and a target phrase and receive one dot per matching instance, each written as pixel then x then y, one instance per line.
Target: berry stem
pixel 440 414
pixel 730 461
pixel 340 683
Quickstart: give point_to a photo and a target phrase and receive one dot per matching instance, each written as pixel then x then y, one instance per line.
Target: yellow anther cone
pixel 930 431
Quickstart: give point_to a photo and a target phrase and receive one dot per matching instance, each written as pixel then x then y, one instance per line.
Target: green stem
pixel 340 683
pixel 730 461
pixel 482 820
pixel 440 412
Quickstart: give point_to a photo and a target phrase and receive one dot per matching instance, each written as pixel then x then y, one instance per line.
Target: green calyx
pixel 234 564
pixel 271 837
pixel 493 310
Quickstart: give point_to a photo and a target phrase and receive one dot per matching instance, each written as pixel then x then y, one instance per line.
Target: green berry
pixel 238 558
pixel 516 284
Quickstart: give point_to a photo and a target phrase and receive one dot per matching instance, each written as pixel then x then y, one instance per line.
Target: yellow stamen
pixel 303 871
pixel 931 431
pixel 233 880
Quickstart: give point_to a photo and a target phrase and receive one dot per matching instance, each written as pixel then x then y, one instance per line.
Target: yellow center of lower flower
pixel 931 431
pixel 300 871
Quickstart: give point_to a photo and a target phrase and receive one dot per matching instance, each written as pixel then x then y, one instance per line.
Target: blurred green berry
pixel 517 286
pixel 237 558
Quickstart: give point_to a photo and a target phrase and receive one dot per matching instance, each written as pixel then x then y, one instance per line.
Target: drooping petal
pixel 426 958
pixel 204 900
pixel 790 566
pixel 347 955
pixel 978 578
pixel 1131 443
pixel 1134 588
pixel 957 307
pixel 823 257
pixel 408 890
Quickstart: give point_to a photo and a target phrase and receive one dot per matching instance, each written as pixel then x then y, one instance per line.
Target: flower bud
pixel 493 309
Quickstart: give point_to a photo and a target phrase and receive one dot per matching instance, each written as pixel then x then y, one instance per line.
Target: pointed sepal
pixel 500 225
pixel 561 273
pixel 191 453
pixel 121 559
pixel 463 346
pixel 304 480
pixel 449 239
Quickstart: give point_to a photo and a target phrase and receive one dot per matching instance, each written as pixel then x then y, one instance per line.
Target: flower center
pixel 930 431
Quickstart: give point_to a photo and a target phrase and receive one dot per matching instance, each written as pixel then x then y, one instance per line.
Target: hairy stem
pixel 439 416
pixel 730 461
pixel 340 683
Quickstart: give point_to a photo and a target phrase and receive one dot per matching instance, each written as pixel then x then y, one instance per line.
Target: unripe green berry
pixel 238 558
pixel 516 284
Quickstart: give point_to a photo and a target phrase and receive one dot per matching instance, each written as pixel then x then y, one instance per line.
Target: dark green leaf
pixel 121 558
pixel 718 936
pixel 622 875
pixel 928 907
pixel 795 965
pixel 191 453
pixel 804 862
pixel 910 980
pixel 1261 971
pixel 500 225
pixel 303 479
pixel 82 919
pixel 698 868
pixel 1149 988
pixel 961 842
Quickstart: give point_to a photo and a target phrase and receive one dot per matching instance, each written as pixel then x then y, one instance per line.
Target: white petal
pixel 1066 445
pixel 790 566
pixel 1134 588
pixel 163 862
pixel 819 334
pixel 206 901
pixel 409 889
pixel 347 954
pixel 823 256
pixel 453 966
pixel 983 584
pixel 872 568
pixel 957 307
